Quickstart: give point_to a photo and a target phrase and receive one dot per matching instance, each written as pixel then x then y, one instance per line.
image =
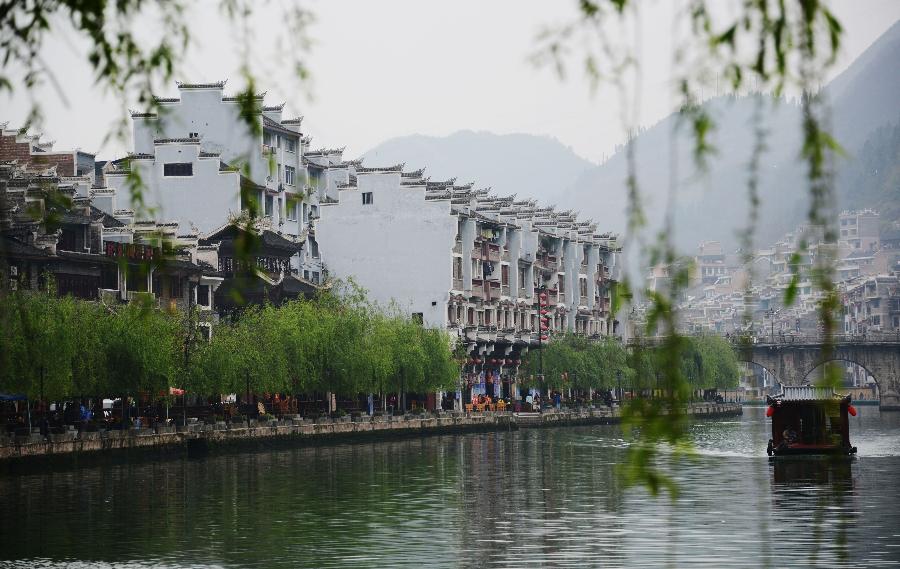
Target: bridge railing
pixel 871 337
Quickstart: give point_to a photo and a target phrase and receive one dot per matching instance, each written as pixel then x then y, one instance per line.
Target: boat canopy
pixel 809 420
pixel 806 393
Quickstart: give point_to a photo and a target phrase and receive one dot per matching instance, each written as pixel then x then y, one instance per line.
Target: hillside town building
pixel 450 255
pixel 463 259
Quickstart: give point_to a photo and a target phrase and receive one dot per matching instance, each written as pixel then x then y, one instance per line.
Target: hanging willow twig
pixel 784 39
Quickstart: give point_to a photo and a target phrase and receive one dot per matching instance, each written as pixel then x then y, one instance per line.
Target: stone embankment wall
pixel 201 438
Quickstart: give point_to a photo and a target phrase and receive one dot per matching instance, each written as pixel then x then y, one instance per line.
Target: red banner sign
pixel 131 251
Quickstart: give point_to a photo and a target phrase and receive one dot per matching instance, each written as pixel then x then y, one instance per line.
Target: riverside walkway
pixel 202 438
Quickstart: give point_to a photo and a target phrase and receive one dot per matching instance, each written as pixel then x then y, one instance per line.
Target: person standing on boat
pixel 789 435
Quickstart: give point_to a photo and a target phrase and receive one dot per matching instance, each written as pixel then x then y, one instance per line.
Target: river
pixel 534 497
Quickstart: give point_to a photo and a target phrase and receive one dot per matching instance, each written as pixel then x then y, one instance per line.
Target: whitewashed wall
pixel 398 248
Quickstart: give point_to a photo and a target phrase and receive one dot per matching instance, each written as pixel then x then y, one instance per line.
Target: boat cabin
pixel 809 420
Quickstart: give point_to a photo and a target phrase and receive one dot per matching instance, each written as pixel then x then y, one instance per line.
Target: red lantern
pixel 493 361
pixel 518 362
pixel 770 411
pixel 543 338
pixel 852 410
pixel 509 362
pixel 477 360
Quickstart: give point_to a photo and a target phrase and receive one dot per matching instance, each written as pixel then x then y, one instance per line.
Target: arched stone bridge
pixel 794 360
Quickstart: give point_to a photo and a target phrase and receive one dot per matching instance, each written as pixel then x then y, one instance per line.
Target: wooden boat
pixel 809 421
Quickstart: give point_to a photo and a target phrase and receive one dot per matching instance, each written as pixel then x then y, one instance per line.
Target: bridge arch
pixel 811 374
pixel 751 364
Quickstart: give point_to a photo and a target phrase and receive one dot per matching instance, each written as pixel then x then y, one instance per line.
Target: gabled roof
pixel 806 393
pixel 12 247
pixel 269 239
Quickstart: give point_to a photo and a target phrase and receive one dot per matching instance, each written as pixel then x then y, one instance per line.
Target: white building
pixel 200 165
pixel 463 259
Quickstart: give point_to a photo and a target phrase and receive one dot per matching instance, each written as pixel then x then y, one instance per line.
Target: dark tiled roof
pixel 107 220
pixel 166 99
pixel 269 123
pixel 273 108
pixel 394 168
pixel 139 115
pixel 293 121
pixel 72 218
pixel 12 247
pixel 806 393
pixel 176 140
pixel 320 151
pixel 215 85
pixel 209 154
pixel 235 98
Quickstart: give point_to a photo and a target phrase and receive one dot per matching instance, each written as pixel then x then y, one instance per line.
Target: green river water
pixel 533 497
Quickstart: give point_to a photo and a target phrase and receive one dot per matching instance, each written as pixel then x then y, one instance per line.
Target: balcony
pixel 547 263
pixel 457 284
pixel 493 253
pixel 477 288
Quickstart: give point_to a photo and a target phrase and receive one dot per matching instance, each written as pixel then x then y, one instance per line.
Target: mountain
pixel 522 164
pixel 713 206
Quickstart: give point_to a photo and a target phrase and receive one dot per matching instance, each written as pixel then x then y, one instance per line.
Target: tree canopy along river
pixel 534 497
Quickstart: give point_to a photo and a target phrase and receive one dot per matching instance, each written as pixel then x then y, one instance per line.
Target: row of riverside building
pixel 453 255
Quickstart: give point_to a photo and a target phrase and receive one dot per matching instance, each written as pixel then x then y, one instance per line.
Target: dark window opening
pixel 367 198
pixel 203 295
pixel 178 169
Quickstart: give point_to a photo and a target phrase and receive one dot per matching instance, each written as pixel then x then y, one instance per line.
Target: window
pixel 306 275
pixel 178 169
pixel 176 288
pixel 270 205
pixel 267 138
pixel 315 277
pixel 367 198
pixel 292 209
pixel 290 144
pixel 305 214
pixel 289 175
pixel 203 295
pixel 193 135
pixel 418 318
pixel 313 250
pixel 457 267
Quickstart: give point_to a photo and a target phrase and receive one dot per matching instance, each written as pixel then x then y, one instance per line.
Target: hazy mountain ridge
pixel 708 206
pixel 714 206
pixel 527 165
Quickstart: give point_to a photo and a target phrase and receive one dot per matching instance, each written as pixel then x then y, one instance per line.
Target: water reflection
pixel 512 499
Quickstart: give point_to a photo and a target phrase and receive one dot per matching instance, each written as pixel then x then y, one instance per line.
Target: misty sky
pixel 385 69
